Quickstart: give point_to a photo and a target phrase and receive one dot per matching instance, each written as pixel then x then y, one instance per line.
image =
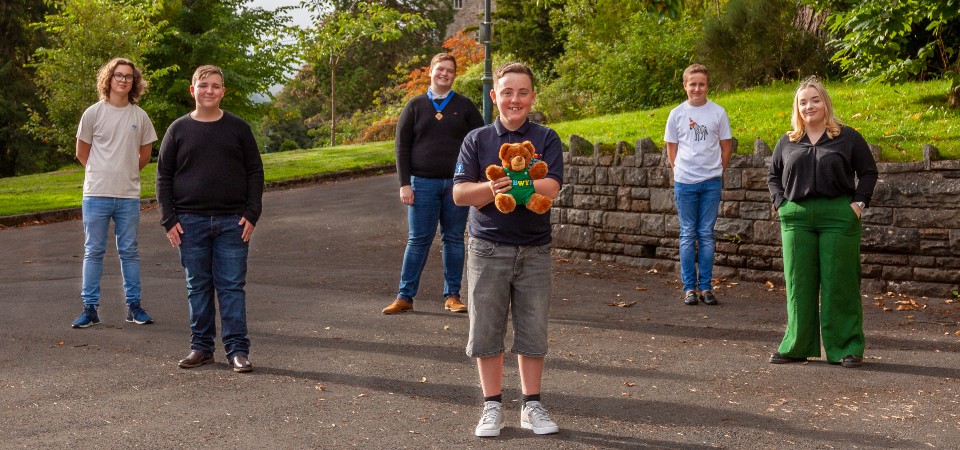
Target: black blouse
pixel 831 168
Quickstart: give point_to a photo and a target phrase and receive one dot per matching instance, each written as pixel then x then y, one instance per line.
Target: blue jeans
pixel 433 203
pixel 97 212
pixel 214 259
pixel 697 206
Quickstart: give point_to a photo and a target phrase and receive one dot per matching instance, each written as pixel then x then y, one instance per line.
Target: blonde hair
pixel 105 74
pixel 205 71
pixel 799 128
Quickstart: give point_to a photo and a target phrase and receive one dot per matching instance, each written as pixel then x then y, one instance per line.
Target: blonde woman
pixel 821 178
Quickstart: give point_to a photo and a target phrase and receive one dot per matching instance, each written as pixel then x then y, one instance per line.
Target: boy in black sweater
pixel 429 133
pixel 210 187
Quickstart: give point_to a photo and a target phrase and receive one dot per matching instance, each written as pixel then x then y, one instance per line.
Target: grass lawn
pixel 900 119
pixel 64 188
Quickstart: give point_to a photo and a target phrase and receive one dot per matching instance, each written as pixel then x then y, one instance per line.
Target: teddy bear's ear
pixel 529 147
pixel 503 150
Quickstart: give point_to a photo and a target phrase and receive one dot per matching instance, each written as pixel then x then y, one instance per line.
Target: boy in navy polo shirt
pixel 508 257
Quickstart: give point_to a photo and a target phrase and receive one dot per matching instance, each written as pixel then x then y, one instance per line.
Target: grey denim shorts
pixel 508 280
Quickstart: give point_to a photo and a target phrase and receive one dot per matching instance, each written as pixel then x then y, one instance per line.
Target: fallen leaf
pixel 652 271
pixel 60 342
pixel 641 289
pixel 769 284
pixel 423 379
pixel 629 384
pixel 361 395
pixel 320 387
pixel 446 327
pixel 627 394
pixel 888 309
pixel 623 304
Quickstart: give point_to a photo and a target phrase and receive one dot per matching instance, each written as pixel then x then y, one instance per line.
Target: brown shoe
pixel 195 359
pixel 398 306
pixel 240 363
pixel 454 304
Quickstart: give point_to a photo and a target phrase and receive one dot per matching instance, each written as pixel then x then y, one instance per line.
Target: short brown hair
pixel 440 57
pixel 105 74
pixel 513 67
pixel 205 71
pixel 695 68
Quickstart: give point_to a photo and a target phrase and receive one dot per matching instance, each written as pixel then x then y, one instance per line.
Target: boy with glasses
pixel 113 144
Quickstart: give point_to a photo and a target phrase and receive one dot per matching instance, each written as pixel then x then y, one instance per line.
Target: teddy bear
pixel 516 163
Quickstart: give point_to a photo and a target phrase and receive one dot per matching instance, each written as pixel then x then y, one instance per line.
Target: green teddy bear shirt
pixel 522 188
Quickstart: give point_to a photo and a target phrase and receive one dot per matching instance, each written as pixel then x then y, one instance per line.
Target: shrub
pixel 758 41
pixel 288 145
pixel 640 69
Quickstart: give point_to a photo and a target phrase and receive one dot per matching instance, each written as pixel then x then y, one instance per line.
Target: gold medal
pixel 438 116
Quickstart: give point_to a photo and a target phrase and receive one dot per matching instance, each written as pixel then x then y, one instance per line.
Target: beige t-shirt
pixel 115 135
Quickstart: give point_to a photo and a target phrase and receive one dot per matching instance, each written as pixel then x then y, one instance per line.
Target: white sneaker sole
pixel 488 433
pixel 541 430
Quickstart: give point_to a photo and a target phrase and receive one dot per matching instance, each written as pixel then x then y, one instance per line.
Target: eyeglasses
pixel 121 77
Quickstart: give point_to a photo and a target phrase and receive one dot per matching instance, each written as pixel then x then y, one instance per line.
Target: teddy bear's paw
pixel 539 203
pixel 505 203
pixel 538 170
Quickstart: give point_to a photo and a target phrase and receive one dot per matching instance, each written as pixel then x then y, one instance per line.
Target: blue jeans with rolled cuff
pixel 214 258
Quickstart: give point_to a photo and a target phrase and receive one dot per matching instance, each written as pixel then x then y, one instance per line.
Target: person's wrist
pixel 860 205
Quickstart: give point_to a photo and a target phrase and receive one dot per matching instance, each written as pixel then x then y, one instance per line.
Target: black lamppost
pixel 487 79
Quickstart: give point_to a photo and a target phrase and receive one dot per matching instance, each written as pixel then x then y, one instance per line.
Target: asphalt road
pixel 330 371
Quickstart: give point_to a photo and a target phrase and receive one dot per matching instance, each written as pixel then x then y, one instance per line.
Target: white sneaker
pixel 491 421
pixel 534 417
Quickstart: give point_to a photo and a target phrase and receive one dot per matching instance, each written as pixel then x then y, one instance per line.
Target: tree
pixel 245 42
pixel 892 42
pixel 524 29
pixel 20 153
pixel 339 31
pixel 84 35
pixel 462 46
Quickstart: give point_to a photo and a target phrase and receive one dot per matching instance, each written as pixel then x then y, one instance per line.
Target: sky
pixel 301 17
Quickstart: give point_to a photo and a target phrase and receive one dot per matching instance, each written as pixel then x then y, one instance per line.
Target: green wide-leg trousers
pixel 821 266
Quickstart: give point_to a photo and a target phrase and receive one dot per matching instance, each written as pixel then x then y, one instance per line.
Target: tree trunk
pixel 333 104
pixel 953 98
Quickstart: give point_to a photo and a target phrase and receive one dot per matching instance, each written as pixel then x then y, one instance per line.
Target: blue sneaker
pixel 87 318
pixel 137 315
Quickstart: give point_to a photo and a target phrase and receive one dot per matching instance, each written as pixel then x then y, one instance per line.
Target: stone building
pixel 467 13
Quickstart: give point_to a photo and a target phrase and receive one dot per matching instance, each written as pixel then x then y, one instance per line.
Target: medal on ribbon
pixel 439 107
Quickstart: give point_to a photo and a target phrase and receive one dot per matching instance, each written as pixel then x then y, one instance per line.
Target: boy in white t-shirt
pixel 699 145
pixel 113 144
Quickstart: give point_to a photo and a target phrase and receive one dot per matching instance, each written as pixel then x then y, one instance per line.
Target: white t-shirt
pixel 115 136
pixel 697 131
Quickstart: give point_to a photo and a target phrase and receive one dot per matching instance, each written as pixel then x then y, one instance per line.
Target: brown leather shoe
pixel 241 364
pixel 195 359
pixel 454 304
pixel 398 306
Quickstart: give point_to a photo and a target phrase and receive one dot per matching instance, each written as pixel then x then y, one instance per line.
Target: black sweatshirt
pixel 427 147
pixel 209 168
pixel 841 166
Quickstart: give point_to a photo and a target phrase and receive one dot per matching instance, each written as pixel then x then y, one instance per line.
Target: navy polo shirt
pixel 480 149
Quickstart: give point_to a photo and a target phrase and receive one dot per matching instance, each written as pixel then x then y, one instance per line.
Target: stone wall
pixel 617 205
